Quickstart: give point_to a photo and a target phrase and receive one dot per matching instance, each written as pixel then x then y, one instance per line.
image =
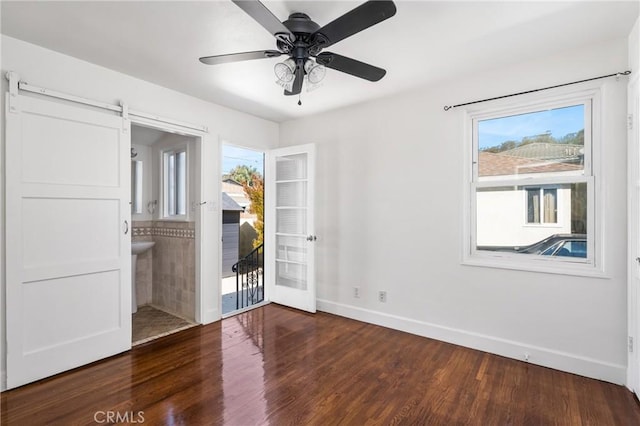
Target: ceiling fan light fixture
pixel 315 73
pixel 301 39
pixel 311 86
pixel 285 71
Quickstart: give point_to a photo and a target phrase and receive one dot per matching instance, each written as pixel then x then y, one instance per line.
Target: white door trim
pixel 205 216
pixel 633 231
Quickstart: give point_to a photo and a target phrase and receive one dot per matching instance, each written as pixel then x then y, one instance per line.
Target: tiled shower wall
pixel 172 265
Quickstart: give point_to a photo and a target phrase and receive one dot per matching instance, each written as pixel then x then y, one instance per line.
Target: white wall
pixel 52 70
pixel 504 216
pixel 405 154
pixel 634 47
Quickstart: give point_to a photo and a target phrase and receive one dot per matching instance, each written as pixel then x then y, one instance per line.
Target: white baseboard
pixel 558 360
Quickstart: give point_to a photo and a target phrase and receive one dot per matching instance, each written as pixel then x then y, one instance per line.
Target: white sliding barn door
pixel 68 254
pixel 290 239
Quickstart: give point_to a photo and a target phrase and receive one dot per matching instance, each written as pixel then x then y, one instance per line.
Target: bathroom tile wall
pixel 141 231
pixel 172 266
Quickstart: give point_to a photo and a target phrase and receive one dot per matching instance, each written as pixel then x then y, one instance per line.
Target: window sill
pixel 550 266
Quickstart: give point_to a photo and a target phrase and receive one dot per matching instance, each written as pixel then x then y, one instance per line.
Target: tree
pixel 254 189
pixel 243 174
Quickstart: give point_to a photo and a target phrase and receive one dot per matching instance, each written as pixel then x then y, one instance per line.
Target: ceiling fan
pixel 301 39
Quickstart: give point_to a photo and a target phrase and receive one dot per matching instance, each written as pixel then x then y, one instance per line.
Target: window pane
pixel 550 207
pixel 544 142
pixel 533 205
pixel 181 183
pixel 175 183
pixel 500 212
pixel 171 184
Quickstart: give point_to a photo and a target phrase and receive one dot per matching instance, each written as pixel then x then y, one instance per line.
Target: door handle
pixel 126 227
pixel 312 238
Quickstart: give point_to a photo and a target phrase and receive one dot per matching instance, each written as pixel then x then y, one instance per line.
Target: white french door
pixel 289 238
pixel 68 255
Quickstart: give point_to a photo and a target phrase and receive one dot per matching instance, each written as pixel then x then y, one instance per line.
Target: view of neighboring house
pixel 247 232
pixel 522 215
pixel 231 212
pixel 235 190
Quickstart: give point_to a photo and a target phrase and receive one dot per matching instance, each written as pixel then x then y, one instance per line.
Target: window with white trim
pixel 542 205
pixel 532 185
pixel 174 183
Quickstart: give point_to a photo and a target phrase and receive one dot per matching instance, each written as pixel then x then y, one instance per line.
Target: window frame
pixel 164 187
pixel 590 97
pixel 541 189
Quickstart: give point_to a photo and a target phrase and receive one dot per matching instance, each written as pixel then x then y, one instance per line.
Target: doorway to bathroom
pixel 164 205
pixel 242 249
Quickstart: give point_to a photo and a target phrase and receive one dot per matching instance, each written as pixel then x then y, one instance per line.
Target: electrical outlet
pixel 356 292
pixel 382 296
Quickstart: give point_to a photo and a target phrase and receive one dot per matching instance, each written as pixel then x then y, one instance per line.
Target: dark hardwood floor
pixel 274 365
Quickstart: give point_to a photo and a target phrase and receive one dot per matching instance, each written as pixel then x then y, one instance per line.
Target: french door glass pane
pixel 291 167
pixel 292 249
pixel 291 221
pixel 292 275
pixel 292 194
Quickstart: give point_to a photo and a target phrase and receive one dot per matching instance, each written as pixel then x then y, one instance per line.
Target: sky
pixel 233 156
pixel 559 122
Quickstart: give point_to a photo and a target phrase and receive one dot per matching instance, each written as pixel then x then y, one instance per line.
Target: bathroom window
pixel 174 183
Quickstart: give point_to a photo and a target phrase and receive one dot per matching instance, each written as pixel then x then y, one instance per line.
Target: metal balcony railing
pixel 250 278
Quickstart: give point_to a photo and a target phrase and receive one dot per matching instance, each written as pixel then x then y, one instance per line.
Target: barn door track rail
pixel 16 84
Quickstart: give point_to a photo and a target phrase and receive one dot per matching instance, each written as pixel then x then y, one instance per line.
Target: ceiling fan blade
pixel 297 83
pixel 358 19
pixel 264 17
pixel 237 57
pixel 350 66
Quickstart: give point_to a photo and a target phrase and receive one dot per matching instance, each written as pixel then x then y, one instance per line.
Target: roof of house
pixel 236 192
pixel 491 164
pixel 546 151
pixel 229 204
pixel 231 181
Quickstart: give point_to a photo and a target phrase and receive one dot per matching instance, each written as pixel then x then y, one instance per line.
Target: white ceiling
pixel 423 43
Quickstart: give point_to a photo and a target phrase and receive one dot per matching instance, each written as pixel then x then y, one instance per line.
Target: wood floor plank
pixel 278 366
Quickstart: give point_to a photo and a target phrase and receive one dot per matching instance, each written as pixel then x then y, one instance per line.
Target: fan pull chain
pixel 299 99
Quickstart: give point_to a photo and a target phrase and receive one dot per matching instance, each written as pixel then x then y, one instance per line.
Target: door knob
pixel 312 238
